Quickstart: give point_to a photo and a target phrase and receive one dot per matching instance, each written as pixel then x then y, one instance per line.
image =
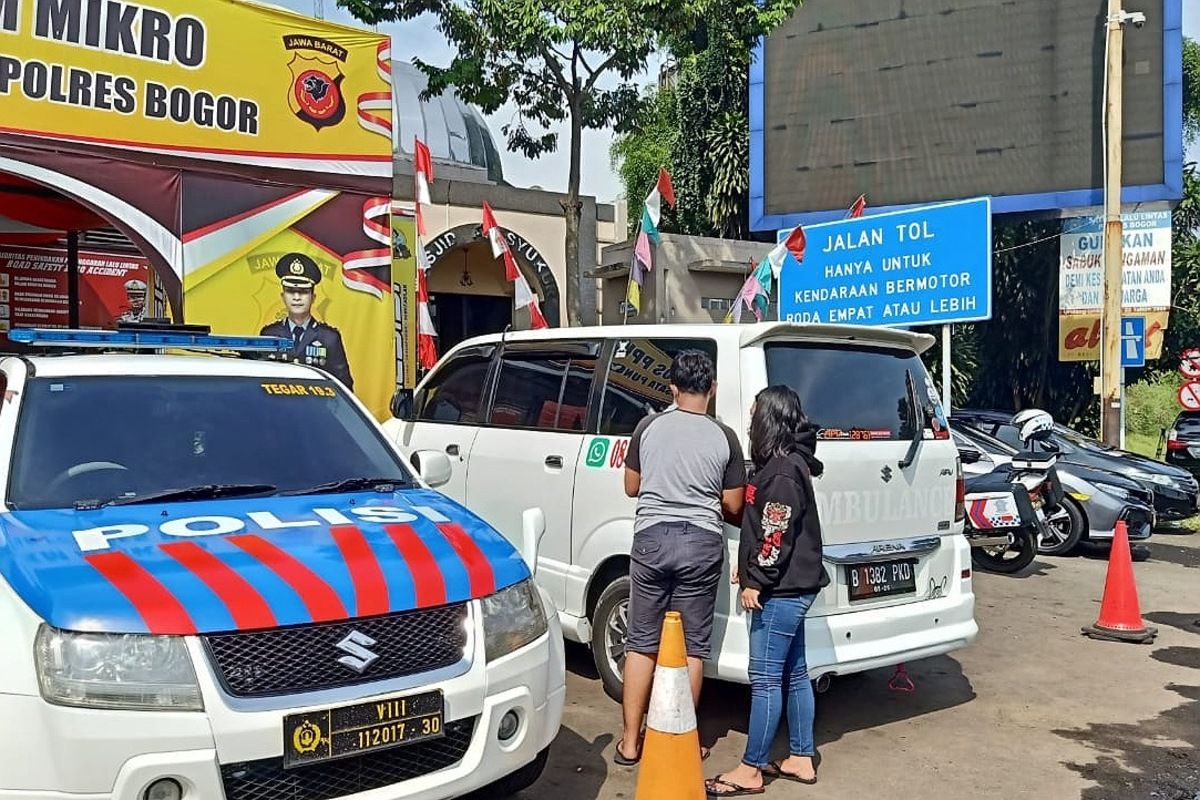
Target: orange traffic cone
pixel 670 767
pixel 1120 616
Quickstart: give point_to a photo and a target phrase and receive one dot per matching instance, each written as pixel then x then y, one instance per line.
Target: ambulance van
pixel 543 418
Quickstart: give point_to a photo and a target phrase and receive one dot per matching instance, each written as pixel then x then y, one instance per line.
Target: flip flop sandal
pixel 623 760
pixel 775 772
pixel 738 791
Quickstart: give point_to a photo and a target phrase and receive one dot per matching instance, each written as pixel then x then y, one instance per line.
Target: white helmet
pixel 1033 425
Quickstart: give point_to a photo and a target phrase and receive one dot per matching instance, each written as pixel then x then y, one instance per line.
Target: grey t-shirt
pixel 686 460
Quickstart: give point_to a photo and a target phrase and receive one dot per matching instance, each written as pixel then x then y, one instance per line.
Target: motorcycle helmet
pixel 1033 425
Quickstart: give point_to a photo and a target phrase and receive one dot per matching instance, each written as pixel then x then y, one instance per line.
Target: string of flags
pixel 642 260
pixel 755 294
pixel 525 298
pixel 427 354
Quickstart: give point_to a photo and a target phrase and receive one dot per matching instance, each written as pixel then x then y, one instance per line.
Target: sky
pixel 419 38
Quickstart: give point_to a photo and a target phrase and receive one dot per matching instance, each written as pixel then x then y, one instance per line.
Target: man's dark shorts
pixel 676 567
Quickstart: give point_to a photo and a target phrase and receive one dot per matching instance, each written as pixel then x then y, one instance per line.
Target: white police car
pixel 219 580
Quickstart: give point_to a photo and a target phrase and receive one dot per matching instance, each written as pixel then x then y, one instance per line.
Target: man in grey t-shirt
pixel 689 475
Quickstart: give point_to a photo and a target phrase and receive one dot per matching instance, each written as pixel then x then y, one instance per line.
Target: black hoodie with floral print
pixel 780 549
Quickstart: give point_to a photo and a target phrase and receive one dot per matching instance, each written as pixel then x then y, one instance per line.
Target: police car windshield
pixel 118 438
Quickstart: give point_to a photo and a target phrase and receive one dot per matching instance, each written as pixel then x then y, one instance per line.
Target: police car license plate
pixel 352 730
pixel 881 578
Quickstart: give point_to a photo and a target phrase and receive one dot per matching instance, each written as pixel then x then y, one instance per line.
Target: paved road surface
pixel 1032 710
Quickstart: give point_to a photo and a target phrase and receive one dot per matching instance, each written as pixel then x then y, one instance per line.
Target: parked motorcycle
pixel 1007 509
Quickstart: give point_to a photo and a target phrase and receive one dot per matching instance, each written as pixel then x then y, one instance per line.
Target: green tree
pixel 558 61
pixel 638 156
pixel 1191 90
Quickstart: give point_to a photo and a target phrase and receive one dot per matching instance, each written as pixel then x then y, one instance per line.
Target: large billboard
pixel 224 80
pixel 916 101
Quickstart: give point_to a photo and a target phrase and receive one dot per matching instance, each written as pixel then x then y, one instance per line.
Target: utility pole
pixel 1112 376
pixel 319 9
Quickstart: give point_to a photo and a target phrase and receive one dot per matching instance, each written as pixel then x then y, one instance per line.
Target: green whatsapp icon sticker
pixel 597 453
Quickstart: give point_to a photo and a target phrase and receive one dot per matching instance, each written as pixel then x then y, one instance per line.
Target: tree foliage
pixel 1191 90
pixel 557 61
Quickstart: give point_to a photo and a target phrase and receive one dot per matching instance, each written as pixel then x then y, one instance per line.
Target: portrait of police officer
pixel 313 342
pixel 135 294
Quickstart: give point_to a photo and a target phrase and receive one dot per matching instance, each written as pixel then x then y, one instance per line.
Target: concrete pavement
pixel 1032 710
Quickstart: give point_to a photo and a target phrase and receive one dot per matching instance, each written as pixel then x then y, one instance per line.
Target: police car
pixel 219 580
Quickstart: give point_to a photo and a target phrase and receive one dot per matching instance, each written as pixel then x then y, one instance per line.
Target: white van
pixel 543 419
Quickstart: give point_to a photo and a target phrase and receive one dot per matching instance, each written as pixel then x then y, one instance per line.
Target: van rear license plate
pixel 352 730
pixel 881 578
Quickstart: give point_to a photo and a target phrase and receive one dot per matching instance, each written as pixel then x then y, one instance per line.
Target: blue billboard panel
pixel 925 266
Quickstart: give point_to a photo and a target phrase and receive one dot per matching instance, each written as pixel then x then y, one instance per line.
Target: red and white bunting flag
pixel 427 354
pixel 857 207
pixel 665 187
pixel 422 177
pixel 525 298
pixel 794 244
pixel 500 247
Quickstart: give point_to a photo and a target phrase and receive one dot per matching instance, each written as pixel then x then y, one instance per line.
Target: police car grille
pixel 268 780
pixel 306 658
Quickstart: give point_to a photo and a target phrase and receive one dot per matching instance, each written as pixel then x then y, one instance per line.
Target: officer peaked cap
pixel 298 271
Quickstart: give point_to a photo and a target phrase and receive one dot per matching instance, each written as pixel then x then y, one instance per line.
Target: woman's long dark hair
pixel 780 427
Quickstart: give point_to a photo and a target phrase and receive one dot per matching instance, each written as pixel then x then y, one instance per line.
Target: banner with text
pixel 923 266
pixel 1079 335
pixel 33 288
pixel 404 293
pixel 233 81
pixel 1146 246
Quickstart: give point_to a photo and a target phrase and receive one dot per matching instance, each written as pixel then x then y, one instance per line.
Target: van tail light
pixel 960 494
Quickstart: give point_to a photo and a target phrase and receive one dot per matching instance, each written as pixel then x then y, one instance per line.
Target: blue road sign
pixel 1133 341
pixel 923 266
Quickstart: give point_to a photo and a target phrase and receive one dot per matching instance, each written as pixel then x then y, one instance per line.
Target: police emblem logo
pixel 297 267
pixel 316 92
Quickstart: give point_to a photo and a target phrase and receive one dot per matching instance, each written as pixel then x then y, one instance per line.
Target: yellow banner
pixel 213 79
pixel 404 292
pixel 346 332
pixel 1079 335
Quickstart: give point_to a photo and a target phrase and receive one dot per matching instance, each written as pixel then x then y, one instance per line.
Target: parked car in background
pixel 1176 491
pixel 1095 500
pixel 1183 442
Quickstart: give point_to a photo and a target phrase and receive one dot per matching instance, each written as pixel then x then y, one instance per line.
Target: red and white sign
pixel 1189 396
pixel 1190 363
pixel 33 287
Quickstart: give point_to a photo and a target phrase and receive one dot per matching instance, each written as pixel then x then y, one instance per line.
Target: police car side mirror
pixel 433 466
pixel 533 527
pixel 402 404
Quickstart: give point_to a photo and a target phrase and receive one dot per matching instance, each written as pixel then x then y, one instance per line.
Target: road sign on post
pixel 1189 364
pixel 1133 342
pixel 1189 396
pixel 924 266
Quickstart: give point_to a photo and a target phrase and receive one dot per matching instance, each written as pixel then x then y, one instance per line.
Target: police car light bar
pixel 146 340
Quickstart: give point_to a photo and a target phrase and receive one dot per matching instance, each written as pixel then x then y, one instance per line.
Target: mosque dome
pixel 454 131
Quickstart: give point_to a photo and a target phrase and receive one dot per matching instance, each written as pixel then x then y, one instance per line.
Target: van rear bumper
pixel 842 644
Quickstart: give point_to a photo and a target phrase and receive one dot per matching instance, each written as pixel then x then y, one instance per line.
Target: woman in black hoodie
pixel 780 572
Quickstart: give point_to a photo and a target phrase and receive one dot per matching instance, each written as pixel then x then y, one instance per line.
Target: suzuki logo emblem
pixel 886 474
pixel 359 657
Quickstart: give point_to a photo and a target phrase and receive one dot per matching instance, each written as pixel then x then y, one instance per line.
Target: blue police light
pixel 146 340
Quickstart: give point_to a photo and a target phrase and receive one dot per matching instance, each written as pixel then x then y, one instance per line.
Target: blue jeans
pixel 776 658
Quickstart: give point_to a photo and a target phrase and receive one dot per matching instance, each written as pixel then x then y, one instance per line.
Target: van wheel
pixel 520 780
pixel 610 628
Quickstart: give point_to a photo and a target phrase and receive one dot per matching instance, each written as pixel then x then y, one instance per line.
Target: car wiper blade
pixel 918 420
pixel 351 485
pixel 207 491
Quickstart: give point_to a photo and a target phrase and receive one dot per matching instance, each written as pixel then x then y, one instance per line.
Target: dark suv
pixel 1183 442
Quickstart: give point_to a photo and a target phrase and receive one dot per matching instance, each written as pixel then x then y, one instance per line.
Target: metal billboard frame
pixel 1170 189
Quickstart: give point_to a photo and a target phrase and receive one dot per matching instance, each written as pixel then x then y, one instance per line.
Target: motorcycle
pixel 1007 509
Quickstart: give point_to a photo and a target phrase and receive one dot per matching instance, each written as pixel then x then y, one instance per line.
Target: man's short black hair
pixel 693 372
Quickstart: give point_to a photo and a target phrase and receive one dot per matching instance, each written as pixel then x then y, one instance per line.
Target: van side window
pixel 455 393
pixel 545 391
pixel 638 380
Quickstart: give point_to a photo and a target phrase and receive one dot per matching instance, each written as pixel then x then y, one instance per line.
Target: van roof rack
pixel 147 336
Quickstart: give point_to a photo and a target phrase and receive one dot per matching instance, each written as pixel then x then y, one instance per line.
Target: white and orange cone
pixel 671 766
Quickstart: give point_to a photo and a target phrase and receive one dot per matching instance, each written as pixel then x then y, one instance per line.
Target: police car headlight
pixel 118 671
pixel 512 618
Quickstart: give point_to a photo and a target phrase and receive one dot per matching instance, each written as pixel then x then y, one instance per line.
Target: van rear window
pixel 853 392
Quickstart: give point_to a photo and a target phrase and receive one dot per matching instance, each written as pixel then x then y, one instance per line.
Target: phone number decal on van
pixel 605 453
